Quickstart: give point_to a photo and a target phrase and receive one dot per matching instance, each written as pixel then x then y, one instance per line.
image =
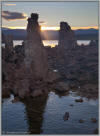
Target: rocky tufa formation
pixel 66 36
pixel 34 75
pixel 35 56
pixel 28 70
pixel 9 42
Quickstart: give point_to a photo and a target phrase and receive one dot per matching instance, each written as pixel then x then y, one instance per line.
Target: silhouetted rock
pixel 35 54
pixel 92 43
pixel 79 65
pixel 9 42
pixel 66 36
pixel 8 69
pixel 71 105
pixel 79 100
pixel 3 38
pixel 66 116
pixel 81 121
pixel 16 99
pixel 36 93
pixel 94 120
pixel 34 65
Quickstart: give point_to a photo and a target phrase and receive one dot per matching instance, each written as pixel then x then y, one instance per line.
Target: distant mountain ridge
pixel 86 31
pixel 20 34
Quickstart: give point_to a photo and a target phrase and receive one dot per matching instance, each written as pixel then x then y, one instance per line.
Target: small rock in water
pixel 66 116
pixel 81 121
pixel 79 100
pixel 71 105
pixel 16 99
pixel 94 120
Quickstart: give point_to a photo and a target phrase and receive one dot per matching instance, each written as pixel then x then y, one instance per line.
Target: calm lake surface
pixel 45 115
pixel 51 43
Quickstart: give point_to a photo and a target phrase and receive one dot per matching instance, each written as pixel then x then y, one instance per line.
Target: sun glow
pixel 49 28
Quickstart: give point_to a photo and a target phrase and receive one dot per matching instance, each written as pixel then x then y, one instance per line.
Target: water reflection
pixel 44 115
pixel 34 111
pixel 57 107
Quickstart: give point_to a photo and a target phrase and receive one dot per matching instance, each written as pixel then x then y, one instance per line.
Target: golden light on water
pixel 53 45
pixel 50 43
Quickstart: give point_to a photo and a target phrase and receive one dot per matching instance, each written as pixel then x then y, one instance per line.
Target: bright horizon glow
pixel 73 28
pixel 15 27
pixel 43 28
pixel 49 28
pixel 10 4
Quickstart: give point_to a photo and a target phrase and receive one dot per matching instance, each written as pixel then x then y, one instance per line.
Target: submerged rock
pixel 71 105
pixel 94 120
pixel 66 116
pixel 79 100
pixel 16 99
pixel 81 121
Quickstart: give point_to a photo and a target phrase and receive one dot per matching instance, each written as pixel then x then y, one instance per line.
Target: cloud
pixel 42 22
pixel 7 4
pixel 11 16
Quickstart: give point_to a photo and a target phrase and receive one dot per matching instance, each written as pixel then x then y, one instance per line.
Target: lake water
pixel 45 115
pixel 51 43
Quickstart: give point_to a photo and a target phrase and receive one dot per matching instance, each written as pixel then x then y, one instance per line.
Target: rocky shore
pixel 32 70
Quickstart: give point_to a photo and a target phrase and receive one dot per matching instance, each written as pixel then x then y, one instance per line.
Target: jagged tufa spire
pixel 34 16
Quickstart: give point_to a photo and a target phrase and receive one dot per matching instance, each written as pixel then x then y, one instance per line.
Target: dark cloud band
pixel 42 22
pixel 10 16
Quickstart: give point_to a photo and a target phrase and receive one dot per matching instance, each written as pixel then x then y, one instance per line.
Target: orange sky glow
pixel 43 28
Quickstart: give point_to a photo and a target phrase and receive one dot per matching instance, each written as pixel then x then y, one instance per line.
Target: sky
pixel 77 14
